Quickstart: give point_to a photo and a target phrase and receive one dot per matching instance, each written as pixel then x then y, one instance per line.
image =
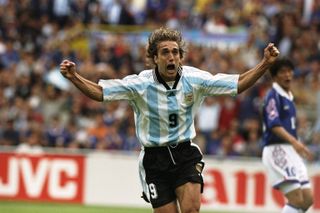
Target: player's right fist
pixel 67 68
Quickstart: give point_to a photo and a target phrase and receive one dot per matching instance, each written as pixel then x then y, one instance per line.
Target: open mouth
pixel 171 67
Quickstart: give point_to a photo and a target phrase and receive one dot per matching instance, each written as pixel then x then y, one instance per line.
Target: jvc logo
pixel 45 178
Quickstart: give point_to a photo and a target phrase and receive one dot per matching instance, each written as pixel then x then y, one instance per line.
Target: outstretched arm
pixel 248 78
pixel 89 88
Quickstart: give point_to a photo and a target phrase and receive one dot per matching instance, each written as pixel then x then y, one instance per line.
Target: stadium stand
pixel 107 40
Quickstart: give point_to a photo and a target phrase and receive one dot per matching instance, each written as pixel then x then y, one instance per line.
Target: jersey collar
pixel 159 79
pixel 282 92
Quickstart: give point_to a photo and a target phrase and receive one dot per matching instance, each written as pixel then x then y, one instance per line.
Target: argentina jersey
pixel 165 115
pixel 278 110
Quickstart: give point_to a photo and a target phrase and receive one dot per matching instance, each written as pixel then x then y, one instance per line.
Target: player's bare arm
pixel 301 149
pixel 248 78
pixel 89 88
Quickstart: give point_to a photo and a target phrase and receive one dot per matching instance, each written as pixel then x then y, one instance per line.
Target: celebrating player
pixel 165 100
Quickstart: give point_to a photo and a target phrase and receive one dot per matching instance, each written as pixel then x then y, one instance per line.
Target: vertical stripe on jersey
pixel 188 122
pixel 154 117
pixel 173 110
pixel 187 88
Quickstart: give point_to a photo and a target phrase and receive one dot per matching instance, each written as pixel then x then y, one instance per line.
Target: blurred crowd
pixel 36 35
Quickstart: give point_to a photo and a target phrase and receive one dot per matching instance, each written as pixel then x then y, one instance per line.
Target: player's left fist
pixel 271 53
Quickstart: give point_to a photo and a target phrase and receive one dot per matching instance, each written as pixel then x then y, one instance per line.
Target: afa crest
pixel 188 98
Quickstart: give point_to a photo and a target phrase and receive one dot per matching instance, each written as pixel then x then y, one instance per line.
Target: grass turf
pixel 34 207
pixel 25 207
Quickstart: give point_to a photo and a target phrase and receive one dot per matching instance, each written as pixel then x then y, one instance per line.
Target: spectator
pixel 33 37
pixel 32 144
pixel 10 135
pixel 208 116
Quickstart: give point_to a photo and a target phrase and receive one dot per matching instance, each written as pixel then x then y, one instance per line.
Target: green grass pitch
pixel 34 207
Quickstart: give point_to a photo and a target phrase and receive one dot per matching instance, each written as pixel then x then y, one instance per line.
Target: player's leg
pixel 295 201
pixel 282 162
pixel 156 180
pixel 307 198
pixel 188 178
pixel 290 209
pixel 305 188
pixel 189 197
pixel 167 208
pixel 299 198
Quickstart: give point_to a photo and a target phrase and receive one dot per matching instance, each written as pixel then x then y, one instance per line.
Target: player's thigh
pixel 307 197
pixel 171 207
pixel 295 197
pixel 189 196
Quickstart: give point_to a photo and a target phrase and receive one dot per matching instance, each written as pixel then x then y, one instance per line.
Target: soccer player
pixel 165 100
pixel 282 150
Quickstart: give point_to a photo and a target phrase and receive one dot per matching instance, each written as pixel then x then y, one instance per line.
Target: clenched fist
pixel 67 69
pixel 271 53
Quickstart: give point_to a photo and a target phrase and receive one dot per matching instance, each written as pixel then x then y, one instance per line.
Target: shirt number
pixel 173 120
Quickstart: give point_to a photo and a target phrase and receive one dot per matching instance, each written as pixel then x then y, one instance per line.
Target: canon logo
pixel 244 188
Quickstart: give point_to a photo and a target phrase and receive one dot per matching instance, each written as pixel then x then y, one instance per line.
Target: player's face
pixel 168 60
pixel 284 77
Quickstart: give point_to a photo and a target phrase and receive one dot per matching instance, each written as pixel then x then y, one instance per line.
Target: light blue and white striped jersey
pixel 166 116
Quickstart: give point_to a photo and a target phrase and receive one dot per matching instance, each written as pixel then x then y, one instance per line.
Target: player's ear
pixel 155 59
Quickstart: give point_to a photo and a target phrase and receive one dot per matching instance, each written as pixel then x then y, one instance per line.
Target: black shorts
pixel 167 168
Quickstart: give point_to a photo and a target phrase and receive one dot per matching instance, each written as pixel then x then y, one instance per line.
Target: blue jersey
pixel 165 115
pixel 278 110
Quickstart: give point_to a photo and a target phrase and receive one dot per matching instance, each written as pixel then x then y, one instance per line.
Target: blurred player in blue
pixel 282 150
pixel 165 100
